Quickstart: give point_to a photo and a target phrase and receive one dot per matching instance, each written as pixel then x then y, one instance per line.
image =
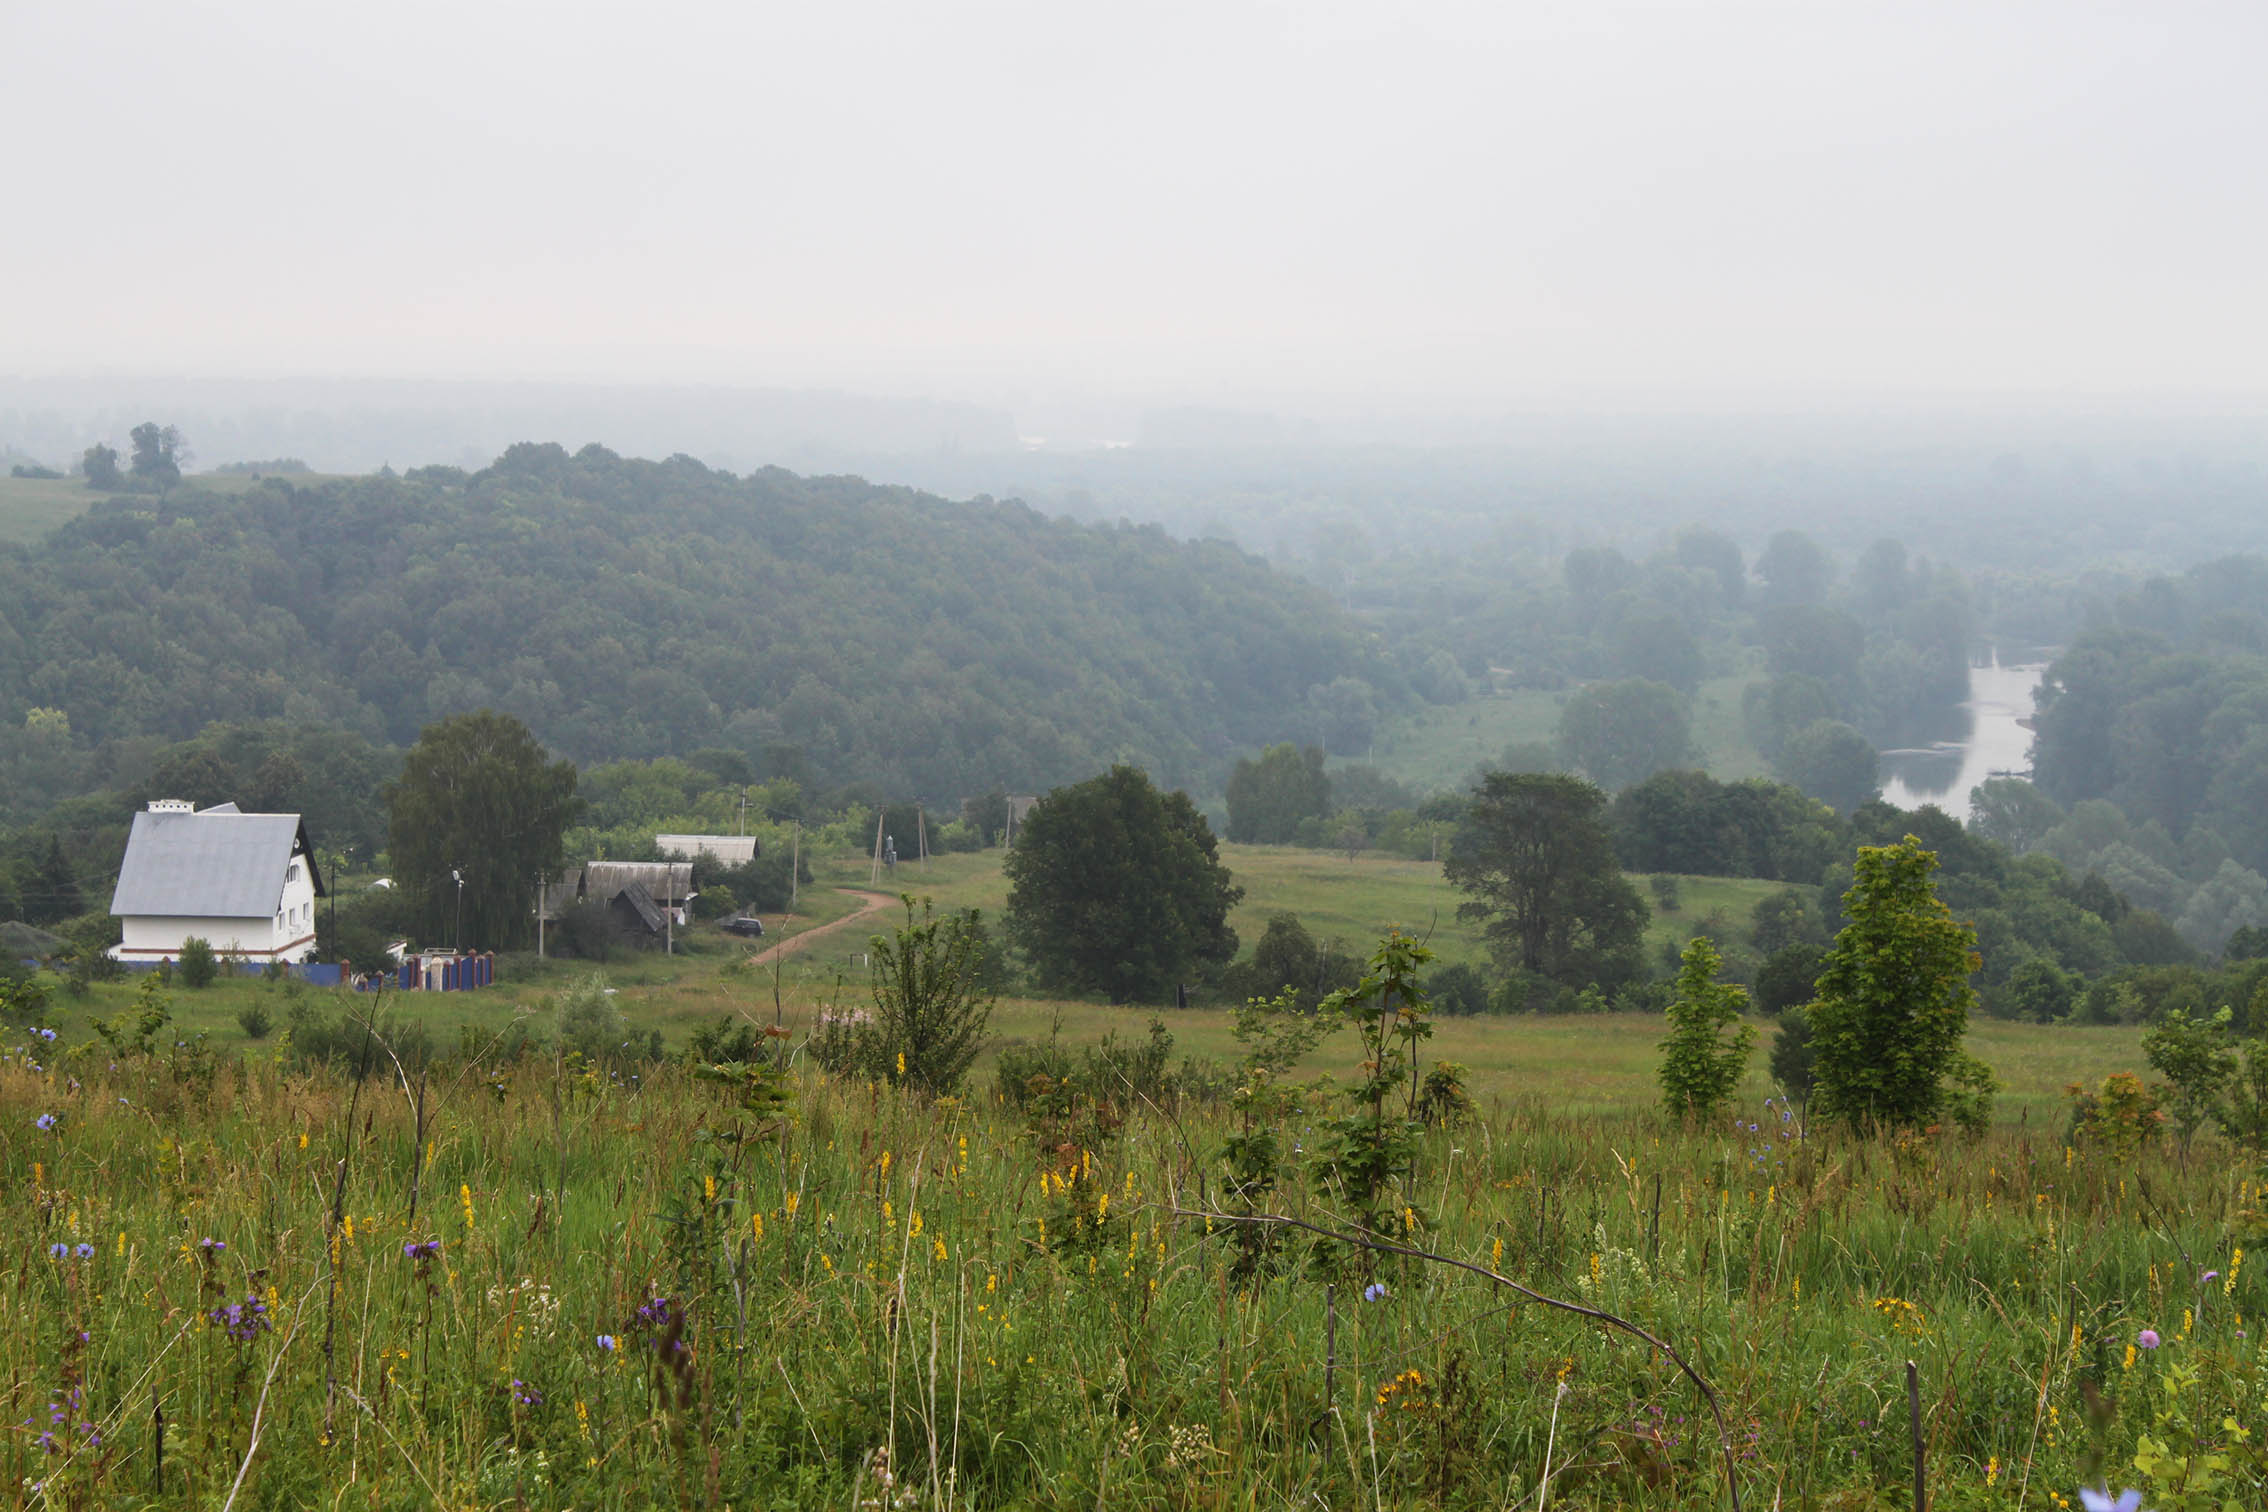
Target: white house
pixel 244 883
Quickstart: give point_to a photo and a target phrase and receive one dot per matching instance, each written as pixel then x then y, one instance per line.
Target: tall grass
pixel 645 1294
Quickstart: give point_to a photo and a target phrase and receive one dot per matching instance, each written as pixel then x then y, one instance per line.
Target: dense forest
pixel 639 608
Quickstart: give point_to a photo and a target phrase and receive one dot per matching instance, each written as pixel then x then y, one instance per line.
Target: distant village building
pixel 1020 807
pixel 244 883
pixel 730 850
pixel 646 896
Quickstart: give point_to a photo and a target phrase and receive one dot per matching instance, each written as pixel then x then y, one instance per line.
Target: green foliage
pixel 1374 1143
pixel 2120 1117
pixel 1276 1036
pixel 930 1013
pixel 159 452
pixel 2041 992
pixel 1788 978
pixel 255 1020
pixel 591 1026
pixel 1287 959
pixel 1268 798
pixel 1793 1063
pixel 2195 1058
pixel 1536 857
pixel 1619 733
pixel 197 968
pixel 478 800
pixel 1701 1063
pixel 99 464
pixel 636 608
pixel 1830 761
pixel 1457 990
pixel 1894 994
pixel 1691 823
pixel 1115 887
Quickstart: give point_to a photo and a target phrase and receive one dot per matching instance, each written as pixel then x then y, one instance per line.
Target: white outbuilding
pixel 244 883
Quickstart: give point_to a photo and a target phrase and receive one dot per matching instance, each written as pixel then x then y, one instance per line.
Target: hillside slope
pixel 624 607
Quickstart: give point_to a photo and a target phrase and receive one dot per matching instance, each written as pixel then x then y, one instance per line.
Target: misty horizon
pixel 1336 215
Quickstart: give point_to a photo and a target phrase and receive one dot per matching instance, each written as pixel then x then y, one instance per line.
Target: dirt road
pixel 868 903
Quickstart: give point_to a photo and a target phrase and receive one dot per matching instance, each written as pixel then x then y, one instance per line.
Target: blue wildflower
pixel 1374 1292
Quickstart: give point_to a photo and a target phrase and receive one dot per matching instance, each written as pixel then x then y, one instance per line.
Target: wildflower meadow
pixel 506 1276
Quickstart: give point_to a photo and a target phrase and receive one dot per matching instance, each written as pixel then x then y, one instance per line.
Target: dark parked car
pixel 744 925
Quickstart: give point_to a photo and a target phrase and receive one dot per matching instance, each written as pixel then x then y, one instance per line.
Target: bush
pixel 255 1021
pixel 1457 990
pixel 590 1025
pixel 1791 1055
pixel 198 968
pixel 354 1040
pixel 1663 885
pixel 2118 1118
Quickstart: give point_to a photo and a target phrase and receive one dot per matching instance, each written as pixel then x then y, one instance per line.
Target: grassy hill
pixel 31 507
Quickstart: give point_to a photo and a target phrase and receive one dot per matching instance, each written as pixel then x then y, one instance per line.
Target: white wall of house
pixel 288 935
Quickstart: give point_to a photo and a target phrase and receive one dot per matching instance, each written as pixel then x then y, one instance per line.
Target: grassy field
pixel 1591 1064
pixel 31 507
pixel 644 1291
pixel 1439 747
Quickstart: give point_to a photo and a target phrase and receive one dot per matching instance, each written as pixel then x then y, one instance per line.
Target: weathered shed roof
pixel 732 850
pixel 641 903
pixel 666 882
pixel 217 864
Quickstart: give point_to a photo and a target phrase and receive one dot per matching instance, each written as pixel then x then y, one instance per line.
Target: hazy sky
pixel 1294 204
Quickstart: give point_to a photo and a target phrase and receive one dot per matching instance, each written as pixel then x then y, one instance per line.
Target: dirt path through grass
pixel 868 903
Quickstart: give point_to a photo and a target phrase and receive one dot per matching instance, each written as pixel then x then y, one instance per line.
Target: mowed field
pixel 1581 1064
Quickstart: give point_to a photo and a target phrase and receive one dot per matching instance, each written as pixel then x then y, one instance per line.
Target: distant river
pixel 1995 743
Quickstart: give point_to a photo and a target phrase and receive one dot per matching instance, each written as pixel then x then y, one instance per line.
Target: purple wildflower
pixel 2147 1338
pixel 59 1251
pixel 84 1251
pixel 606 1343
pixel 525 1395
pixel 2208 1278
pixel 421 1249
pixel 2129 1500
pixel 44 1121
pixel 242 1321
pixel 1374 1292
pixel 212 1246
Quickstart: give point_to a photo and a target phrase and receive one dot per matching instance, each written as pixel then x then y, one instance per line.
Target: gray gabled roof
pixel 216 864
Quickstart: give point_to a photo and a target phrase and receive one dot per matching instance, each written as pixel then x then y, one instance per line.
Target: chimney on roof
pixel 172 806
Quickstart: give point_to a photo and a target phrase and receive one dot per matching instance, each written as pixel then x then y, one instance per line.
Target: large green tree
pixel 1624 732
pixel 1832 762
pixel 1894 994
pixel 1535 853
pixel 1115 887
pixel 479 809
pixel 1268 798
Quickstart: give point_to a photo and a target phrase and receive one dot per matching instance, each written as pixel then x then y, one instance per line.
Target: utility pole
pixel 456 875
pixel 795 869
pixel 542 902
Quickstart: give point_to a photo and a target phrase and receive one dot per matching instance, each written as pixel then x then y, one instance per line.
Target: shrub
pixel 2194 1057
pixel 930 1007
pixel 254 1020
pixel 1701 1063
pixel 1791 1055
pixel 590 1025
pixel 2119 1118
pixel 1663 885
pixel 198 968
pixel 1457 990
